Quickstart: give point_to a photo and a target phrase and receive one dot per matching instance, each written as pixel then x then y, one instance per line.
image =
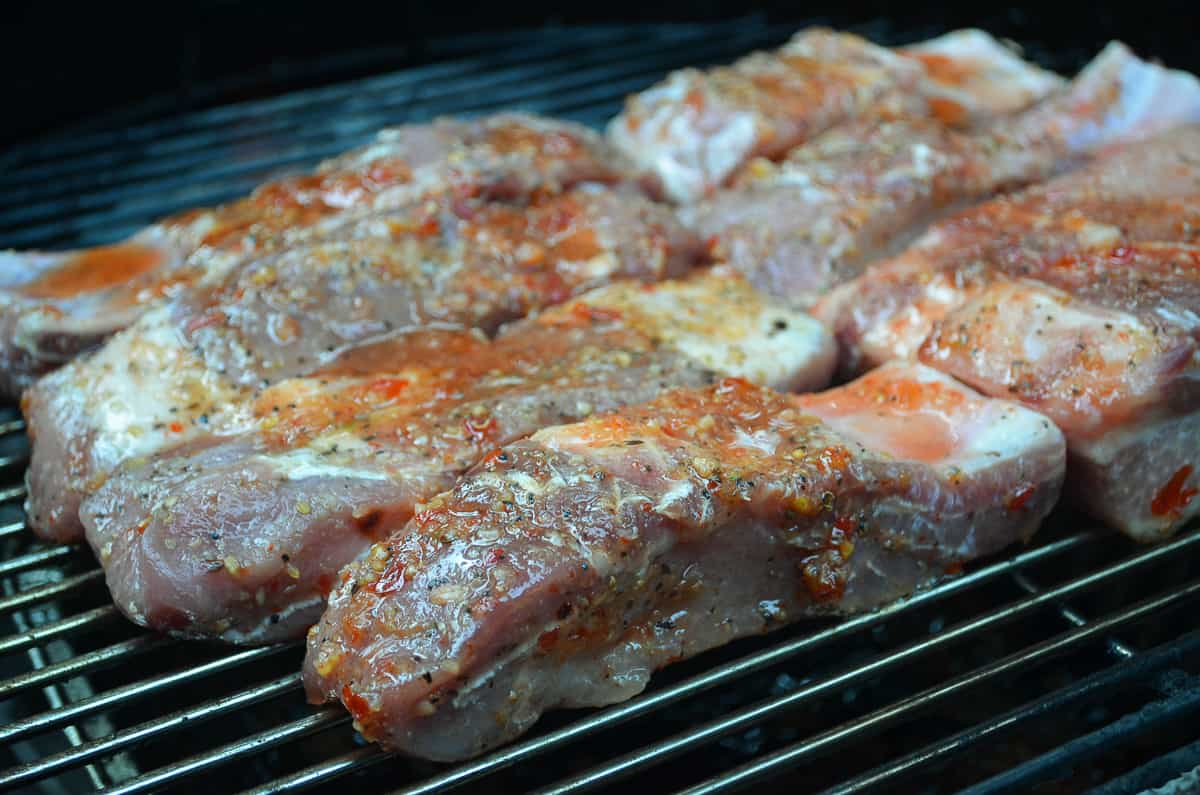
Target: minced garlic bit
pixel 303 508
pixel 327 662
pixel 292 571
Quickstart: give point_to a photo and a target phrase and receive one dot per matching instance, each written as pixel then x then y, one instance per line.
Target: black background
pixel 65 64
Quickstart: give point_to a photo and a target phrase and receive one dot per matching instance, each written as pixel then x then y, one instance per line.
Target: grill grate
pixel 1066 666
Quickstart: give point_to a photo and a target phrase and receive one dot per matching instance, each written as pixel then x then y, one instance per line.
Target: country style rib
pixel 562 570
pixel 241 537
pixel 695 130
pixel 1079 298
pixel 55 305
pixel 190 367
pixel 866 189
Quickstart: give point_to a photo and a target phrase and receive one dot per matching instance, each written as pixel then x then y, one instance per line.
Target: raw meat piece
pixel 55 305
pixel 241 537
pixel 1081 299
pixel 563 570
pixel 190 367
pixel 864 190
pixel 696 130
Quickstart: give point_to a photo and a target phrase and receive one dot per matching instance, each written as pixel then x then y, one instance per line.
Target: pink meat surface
pixel 564 569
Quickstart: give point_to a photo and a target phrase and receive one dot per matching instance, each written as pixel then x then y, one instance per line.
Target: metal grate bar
pixel 144 731
pixel 181 132
pixel 44 593
pixel 47 632
pixel 12 426
pixel 1050 766
pixel 123 696
pixel 1072 616
pixel 349 762
pixel 84 663
pixel 585 86
pixel 1164 771
pixel 659 752
pixel 720 675
pixel 302 727
pixel 536 45
pixel 12 493
pixel 773 763
pixel 33 560
pixel 640 58
pixel 1108 679
pixel 12 529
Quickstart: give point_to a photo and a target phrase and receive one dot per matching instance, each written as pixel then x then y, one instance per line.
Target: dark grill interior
pixel 1067 666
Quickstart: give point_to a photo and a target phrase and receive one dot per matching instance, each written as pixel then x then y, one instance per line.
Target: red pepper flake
pixel 355 703
pixel 1173 497
pixel 389 388
pixel 176 427
pixel 495 555
pixel 846 524
pixel 822 579
pixel 1021 498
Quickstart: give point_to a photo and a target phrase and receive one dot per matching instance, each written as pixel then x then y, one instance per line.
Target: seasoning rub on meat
pixel 190 367
pixel 562 570
pixel 241 536
pixel 1081 299
pixel 694 131
pixel 53 306
pixel 866 189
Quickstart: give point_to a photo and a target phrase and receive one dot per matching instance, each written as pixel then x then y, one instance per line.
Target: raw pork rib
pixel 1079 298
pixel 562 570
pixel 865 189
pixel 53 306
pixel 696 129
pixel 242 536
pixel 188 367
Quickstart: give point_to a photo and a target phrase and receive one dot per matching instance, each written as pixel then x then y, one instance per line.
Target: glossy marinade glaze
pixel 564 569
pixel 1079 298
pixel 191 367
pixel 53 306
pixel 240 536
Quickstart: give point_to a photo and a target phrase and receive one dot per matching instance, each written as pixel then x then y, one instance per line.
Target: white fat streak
pixel 680 490
pixel 132 383
pixel 1003 83
pixel 262 630
pixel 765 441
pixel 315 461
pixel 1148 98
pixel 718 320
pixel 1002 431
